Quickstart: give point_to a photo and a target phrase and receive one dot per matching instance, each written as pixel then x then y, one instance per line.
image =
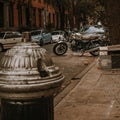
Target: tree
pixel 79 11
pixel 112 8
pixel 89 10
pixel 60 6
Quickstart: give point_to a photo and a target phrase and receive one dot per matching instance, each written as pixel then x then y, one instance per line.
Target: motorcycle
pixel 81 44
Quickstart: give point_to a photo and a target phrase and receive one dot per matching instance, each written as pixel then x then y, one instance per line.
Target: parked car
pixel 8 39
pixel 58 35
pixel 41 36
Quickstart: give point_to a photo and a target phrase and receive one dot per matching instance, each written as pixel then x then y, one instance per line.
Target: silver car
pixel 8 39
pixel 58 35
pixel 41 36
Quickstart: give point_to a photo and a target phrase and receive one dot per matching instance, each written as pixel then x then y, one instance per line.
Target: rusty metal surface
pixel 27 71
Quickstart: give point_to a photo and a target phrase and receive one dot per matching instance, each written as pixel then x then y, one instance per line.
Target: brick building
pixel 28 14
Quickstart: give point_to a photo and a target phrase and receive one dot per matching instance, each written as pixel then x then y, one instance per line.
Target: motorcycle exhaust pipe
pixel 93 49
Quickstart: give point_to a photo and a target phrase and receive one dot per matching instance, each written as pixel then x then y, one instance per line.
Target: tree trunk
pixel 113 12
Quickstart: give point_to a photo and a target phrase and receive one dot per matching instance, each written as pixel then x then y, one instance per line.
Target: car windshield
pixel 55 33
pixel 2 35
pixel 35 33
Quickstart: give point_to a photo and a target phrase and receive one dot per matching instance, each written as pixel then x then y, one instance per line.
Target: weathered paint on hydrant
pixel 28 81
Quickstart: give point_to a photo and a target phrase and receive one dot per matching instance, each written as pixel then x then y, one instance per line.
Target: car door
pixel 61 35
pixel 46 36
pixel 17 37
pixel 36 35
pixel 10 39
pixel 56 36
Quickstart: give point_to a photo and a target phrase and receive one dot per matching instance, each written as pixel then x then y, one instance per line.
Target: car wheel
pixel 41 42
pixel 1 47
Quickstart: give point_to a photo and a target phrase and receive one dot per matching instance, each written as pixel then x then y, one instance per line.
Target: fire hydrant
pixel 28 81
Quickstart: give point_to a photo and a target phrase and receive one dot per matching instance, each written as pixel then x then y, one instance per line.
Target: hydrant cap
pixel 27 71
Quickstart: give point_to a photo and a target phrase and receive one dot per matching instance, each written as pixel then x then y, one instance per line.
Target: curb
pixel 81 74
pixel 74 81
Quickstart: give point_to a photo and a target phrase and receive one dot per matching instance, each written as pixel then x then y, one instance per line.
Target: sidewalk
pixel 95 97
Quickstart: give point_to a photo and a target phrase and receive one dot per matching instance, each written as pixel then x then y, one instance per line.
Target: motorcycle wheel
pixel 96 52
pixel 60 48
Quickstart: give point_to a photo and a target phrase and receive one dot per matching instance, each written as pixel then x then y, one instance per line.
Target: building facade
pixel 28 14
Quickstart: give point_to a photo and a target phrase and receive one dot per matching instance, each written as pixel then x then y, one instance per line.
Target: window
pixel 9 35
pixel 17 34
pixel 35 33
pixel 40 17
pixel 39 1
pixel 20 15
pixel 11 17
pixel 34 17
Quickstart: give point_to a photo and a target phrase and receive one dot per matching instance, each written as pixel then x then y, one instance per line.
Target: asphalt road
pixel 70 64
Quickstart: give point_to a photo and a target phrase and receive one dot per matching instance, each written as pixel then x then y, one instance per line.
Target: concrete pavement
pixel 95 97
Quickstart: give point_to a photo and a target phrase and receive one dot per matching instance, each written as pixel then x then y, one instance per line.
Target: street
pixel 70 65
